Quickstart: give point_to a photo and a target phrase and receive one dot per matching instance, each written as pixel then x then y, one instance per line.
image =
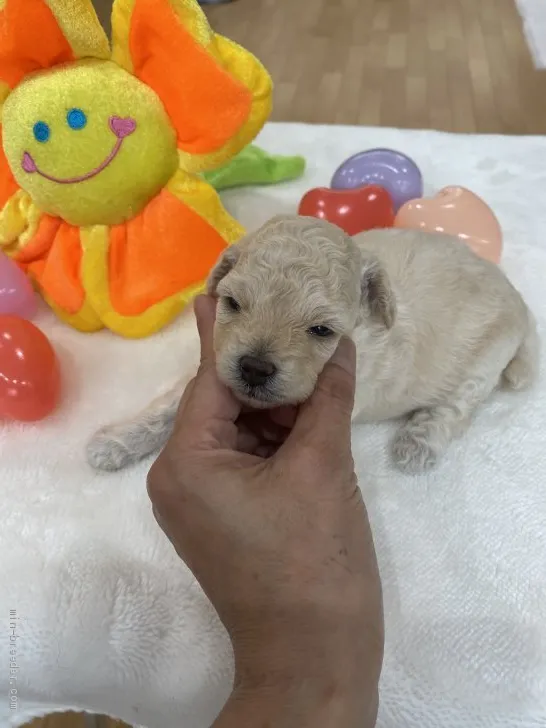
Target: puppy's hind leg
pixel 422 439
pixel 116 446
pixel 428 432
pixel 522 370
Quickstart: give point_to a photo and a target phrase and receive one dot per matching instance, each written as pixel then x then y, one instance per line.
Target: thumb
pixel 207 404
pixel 205 315
pixel 324 421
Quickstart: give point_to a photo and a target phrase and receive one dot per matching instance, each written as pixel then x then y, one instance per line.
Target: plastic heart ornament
pixel 17 296
pixel 390 169
pixel 354 211
pixel 29 371
pixel 456 211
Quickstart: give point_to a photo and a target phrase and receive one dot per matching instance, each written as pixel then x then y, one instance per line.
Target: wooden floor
pixel 456 65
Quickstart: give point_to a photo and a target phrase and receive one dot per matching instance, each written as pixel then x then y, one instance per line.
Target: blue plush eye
pixel 42 132
pixel 76 119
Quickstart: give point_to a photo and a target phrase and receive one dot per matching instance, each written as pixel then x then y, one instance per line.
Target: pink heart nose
pixel 122 127
pixel 28 164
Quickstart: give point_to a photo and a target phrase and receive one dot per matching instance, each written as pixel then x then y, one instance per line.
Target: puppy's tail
pixel 522 370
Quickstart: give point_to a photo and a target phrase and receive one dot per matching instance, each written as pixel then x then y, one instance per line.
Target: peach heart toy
pixel 456 211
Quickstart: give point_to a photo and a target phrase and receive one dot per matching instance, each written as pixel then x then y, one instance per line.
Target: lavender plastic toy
pixel 390 169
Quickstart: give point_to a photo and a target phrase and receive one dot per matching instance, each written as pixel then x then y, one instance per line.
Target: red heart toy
pixel 352 210
pixel 29 372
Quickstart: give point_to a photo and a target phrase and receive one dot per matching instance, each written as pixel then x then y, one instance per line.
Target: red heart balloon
pixel 29 371
pixel 352 210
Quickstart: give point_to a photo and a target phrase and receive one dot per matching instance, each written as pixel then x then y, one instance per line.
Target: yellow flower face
pixel 101 199
pixel 90 143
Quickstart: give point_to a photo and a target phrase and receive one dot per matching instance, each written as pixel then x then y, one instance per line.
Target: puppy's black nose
pixel 256 371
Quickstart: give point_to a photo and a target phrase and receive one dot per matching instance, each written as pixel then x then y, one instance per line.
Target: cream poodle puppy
pixel 437 329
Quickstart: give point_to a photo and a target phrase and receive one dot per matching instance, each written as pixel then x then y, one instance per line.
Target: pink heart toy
pixel 17 297
pixel 456 211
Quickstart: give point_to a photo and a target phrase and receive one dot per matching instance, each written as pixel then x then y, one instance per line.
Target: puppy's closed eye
pixel 232 304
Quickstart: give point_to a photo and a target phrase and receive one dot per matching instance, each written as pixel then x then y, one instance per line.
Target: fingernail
pixel 345 355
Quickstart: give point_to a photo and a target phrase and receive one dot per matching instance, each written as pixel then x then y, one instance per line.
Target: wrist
pixel 322 704
pixel 315 676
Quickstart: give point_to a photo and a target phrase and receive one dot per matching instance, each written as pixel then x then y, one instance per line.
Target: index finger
pixel 324 421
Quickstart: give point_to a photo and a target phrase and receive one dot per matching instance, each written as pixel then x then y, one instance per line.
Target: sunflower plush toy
pixel 102 195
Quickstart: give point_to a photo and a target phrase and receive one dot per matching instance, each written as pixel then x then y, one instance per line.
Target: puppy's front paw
pixel 106 452
pixel 411 451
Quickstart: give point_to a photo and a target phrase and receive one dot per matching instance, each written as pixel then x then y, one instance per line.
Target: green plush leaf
pixel 254 166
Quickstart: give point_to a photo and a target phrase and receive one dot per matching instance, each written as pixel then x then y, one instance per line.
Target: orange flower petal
pixel 8 185
pixel 151 259
pixel 39 245
pixel 31 40
pixel 207 105
pixel 52 258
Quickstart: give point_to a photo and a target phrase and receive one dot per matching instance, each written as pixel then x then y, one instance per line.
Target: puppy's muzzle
pixel 256 371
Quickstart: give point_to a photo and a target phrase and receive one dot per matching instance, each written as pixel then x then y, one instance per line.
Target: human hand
pixel 266 511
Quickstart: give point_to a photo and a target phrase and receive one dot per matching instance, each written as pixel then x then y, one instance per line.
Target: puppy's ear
pixel 376 293
pixel 223 265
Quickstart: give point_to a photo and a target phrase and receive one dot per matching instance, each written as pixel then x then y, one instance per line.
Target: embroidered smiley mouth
pixel 122 128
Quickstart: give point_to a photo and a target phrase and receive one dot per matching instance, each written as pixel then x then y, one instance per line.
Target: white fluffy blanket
pixel 109 620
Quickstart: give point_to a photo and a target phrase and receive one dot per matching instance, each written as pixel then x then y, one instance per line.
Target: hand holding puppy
pixel 271 521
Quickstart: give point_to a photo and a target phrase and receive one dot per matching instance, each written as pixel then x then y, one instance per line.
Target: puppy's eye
pixel 322 331
pixel 232 304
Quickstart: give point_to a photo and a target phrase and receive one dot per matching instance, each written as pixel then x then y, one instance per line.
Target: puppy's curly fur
pixel 437 329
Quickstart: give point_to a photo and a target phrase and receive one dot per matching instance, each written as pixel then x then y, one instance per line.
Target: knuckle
pixel 172 478
pixel 155 482
pixel 163 481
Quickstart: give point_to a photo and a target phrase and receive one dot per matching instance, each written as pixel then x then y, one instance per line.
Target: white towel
pixel 108 619
pixel 533 13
